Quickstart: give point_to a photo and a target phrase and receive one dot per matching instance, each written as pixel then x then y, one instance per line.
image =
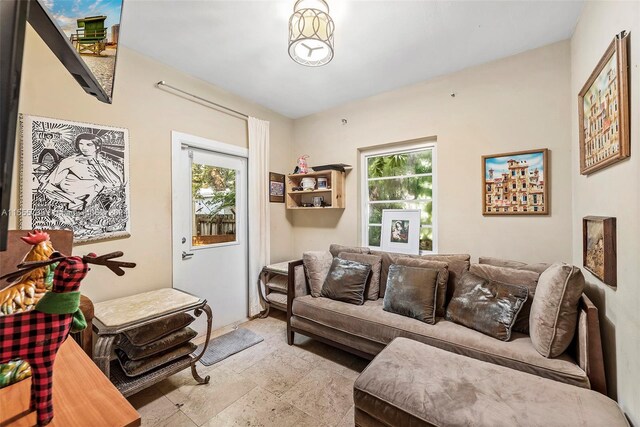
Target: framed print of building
pixel 515 183
pixel 603 110
pixel 74 176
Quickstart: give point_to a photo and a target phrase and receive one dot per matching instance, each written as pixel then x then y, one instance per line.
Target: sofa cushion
pixel 554 312
pixel 346 281
pixel 411 291
pixel 458 264
pixel 512 276
pixel 336 249
pixel 412 384
pixel 372 289
pixel 372 323
pixel 518 265
pixel 316 265
pixel 487 306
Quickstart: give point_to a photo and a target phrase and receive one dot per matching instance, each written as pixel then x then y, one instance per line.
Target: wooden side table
pixel 116 316
pixel 273 284
pixel 82 396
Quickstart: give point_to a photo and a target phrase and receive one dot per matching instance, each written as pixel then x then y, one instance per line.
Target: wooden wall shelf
pixel 333 195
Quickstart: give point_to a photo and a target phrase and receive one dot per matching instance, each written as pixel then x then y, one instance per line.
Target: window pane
pixel 374 235
pixel 214 204
pixel 426 239
pixel 375 211
pixel 401 189
pixel 400 164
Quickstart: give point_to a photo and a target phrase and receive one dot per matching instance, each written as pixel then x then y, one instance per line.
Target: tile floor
pixel 269 384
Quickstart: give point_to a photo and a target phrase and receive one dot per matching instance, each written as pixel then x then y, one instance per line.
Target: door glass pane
pixel 426 239
pixel 374 235
pixel 375 211
pixel 213 193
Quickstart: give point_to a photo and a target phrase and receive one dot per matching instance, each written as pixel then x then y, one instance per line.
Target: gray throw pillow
pixel 167 342
pixel 486 306
pixel 346 281
pixel 554 312
pixel 411 292
pixel 512 276
pixel 372 288
pixel 443 277
pixel 133 368
pixel 143 335
pixel 316 265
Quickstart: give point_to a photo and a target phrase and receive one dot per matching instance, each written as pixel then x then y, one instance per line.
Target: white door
pixel 210 249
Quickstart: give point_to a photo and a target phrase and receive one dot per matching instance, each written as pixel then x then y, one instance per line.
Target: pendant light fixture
pixel 311 33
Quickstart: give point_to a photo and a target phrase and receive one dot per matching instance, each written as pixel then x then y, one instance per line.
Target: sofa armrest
pixel 589 345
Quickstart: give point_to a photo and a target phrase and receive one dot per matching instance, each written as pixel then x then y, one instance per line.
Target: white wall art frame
pixel 74 176
pixel 401 231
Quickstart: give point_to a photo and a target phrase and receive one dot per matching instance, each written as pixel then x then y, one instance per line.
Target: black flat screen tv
pixel 84 36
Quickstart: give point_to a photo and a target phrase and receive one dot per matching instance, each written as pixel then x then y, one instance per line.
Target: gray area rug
pixel 228 344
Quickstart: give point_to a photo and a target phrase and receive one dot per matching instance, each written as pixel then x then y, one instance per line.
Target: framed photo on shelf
pixel 276 187
pixel 516 183
pixel 599 248
pixel 401 231
pixel 603 110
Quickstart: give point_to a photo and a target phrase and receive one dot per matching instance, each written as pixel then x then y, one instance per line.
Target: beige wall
pixel 150 115
pixel 612 192
pixel 518 103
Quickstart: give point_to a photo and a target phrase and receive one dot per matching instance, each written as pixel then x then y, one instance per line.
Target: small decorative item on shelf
pixel 302 164
pixel 308 183
pixel 318 201
pixel 35 336
pixel 322 183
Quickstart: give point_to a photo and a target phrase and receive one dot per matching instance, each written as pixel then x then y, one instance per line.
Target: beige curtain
pixel 259 238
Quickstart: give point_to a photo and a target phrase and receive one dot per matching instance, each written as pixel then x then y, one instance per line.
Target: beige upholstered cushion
pixel 458 264
pixel 346 281
pixel 316 265
pixel 512 276
pixel 518 265
pixel 487 306
pixel 369 328
pixel 412 384
pixel 411 291
pixel 372 289
pixel 336 249
pixel 554 311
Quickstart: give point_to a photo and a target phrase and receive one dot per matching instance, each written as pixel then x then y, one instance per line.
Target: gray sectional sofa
pixel 365 330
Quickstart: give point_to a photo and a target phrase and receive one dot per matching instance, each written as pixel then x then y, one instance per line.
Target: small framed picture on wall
pixel 276 187
pixel 603 110
pixel 401 231
pixel 599 248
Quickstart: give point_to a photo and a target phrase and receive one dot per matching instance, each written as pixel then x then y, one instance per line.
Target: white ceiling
pixel 241 46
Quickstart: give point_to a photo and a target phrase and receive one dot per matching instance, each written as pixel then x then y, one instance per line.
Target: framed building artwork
pixel 276 188
pixel 516 183
pixel 401 231
pixel 603 110
pixel 599 248
pixel 74 176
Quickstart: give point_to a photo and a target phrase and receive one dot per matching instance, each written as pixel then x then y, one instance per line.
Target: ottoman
pixel 414 384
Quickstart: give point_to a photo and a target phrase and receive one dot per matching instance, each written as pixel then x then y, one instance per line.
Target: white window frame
pixel 364 187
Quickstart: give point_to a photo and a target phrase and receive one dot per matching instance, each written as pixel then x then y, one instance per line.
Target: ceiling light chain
pixel 311 33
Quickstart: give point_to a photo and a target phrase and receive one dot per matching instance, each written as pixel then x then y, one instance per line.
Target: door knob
pixel 186 255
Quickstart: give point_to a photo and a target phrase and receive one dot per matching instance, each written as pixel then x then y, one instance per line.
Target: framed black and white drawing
pixel 74 176
pixel 400 231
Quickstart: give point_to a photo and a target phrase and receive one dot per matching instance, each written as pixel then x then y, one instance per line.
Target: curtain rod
pixel 216 106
